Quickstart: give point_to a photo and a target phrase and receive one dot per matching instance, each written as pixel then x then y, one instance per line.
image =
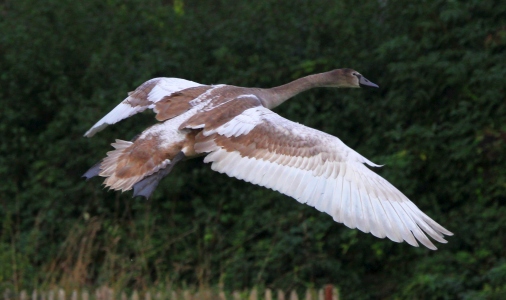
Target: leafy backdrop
pixel 437 122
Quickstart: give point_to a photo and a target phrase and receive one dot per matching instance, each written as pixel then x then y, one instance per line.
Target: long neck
pixel 279 94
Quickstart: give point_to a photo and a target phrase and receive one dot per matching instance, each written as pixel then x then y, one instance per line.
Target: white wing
pixel 144 97
pixel 315 168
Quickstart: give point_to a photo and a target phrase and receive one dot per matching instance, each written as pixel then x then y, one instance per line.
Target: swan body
pixel 236 130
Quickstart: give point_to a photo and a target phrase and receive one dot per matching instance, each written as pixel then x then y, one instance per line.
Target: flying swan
pixel 236 130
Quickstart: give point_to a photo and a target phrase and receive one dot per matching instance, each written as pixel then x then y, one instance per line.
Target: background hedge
pixel 437 122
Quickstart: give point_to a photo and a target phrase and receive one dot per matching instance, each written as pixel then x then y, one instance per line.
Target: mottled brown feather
pixel 138 158
pixel 178 103
pixel 219 113
pixel 266 140
pixel 261 138
pixel 139 97
pixel 126 166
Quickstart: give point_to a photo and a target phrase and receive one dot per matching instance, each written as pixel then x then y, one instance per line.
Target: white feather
pixel 367 217
pixel 256 173
pixel 337 200
pixel 168 86
pixel 241 124
pixel 285 182
pixel 347 205
pixel 328 197
pixel 305 182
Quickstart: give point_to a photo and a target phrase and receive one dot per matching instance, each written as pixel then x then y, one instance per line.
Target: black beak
pixel 364 82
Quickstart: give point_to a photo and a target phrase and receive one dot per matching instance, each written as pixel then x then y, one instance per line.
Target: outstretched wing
pixel 145 96
pixel 261 147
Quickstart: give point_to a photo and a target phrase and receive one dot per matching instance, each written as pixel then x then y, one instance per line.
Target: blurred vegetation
pixel 438 122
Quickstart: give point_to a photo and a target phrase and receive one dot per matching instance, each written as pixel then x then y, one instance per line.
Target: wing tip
pixel 96 128
pixel 432 247
pixel 89 134
pixel 446 232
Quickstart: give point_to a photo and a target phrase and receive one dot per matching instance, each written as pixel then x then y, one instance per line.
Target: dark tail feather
pixel 93 171
pixel 147 185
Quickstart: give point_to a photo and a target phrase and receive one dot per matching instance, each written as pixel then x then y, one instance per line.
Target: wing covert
pixel 144 97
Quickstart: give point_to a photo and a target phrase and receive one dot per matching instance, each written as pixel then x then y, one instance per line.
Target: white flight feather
pixel 335 181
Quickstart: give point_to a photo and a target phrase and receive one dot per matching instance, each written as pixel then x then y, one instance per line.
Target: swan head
pixel 348 78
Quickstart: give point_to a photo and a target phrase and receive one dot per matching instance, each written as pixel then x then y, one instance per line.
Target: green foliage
pixel 438 122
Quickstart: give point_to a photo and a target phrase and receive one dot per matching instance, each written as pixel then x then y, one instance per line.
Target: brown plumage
pixel 177 103
pixel 236 130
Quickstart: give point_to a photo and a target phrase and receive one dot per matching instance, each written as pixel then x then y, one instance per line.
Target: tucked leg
pixel 147 186
pixel 93 171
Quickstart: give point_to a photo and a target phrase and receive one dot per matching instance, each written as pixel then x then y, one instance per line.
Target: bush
pixel 437 121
